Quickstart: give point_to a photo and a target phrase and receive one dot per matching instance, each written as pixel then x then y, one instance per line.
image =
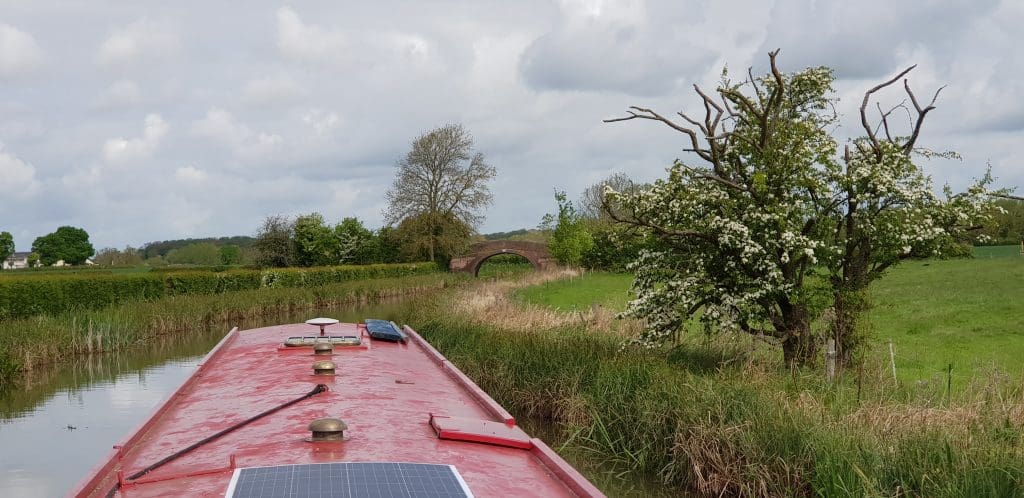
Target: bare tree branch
pixel 864 106
pixel 909 146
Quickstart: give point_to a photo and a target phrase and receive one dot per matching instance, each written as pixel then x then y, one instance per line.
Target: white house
pixel 16 260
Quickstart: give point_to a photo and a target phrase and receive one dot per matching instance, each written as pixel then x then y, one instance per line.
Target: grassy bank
pixel 721 419
pixel 29 342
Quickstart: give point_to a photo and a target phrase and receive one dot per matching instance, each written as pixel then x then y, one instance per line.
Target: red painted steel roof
pixel 386 394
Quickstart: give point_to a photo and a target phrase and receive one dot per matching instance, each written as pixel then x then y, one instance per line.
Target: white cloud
pixel 17 177
pixel 190 175
pixel 322 121
pixel 140 40
pixel 126 149
pixel 19 52
pixel 121 94
pixel 271 90
pixel 307 42
pixel 616 45
pixel 221 126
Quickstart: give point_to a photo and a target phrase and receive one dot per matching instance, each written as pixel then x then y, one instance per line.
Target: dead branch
pixel 909 146
pixel 864 106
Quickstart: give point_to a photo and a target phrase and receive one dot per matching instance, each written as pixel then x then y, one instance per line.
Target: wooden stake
pixel 892 361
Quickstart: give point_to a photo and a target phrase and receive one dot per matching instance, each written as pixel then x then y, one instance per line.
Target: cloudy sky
pixel 143 121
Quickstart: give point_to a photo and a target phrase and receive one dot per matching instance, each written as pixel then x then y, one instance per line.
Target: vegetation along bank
pixel 29 342
pixel 718 416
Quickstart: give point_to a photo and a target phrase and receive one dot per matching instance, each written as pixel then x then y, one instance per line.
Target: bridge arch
pixel 534 252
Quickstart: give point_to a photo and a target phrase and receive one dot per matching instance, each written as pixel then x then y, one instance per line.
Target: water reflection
pixel 62 421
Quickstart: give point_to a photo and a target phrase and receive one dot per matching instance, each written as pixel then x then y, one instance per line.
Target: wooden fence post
pixel 830 360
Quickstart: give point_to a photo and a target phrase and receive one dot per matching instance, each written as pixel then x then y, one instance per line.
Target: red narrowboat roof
pixel 402 402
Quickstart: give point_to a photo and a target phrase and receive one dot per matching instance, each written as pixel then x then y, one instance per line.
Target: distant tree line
pixel 163 247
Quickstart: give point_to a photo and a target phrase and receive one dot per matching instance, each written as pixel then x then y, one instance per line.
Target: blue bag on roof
pixel 384 330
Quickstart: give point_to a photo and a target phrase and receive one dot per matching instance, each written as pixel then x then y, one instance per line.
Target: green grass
pixel 989 252
pixel 965 312
pixel 610 290
pixel 968 313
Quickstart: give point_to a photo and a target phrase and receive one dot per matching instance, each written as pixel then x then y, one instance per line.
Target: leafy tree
pixel 423 236
pixel 274 242
pixel 315 243
pixel 230 255
pixel 358 244
pixel 68 243
pixel 570 239
pixel 33 260
pixel 6 246
pixel 389 246
pixel 441 184
pixel 769 203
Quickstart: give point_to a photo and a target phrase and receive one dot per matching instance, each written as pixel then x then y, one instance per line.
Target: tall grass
pixel 29 342
pixel 721 422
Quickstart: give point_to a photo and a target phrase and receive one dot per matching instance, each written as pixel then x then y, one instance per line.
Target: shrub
pixel 50 294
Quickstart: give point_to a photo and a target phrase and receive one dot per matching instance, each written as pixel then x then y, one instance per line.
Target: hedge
pixel 51 294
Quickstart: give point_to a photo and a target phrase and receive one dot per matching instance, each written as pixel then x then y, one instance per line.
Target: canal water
pixel 60 425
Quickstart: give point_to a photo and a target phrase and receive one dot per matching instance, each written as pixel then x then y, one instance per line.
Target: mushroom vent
pixel 323 348
pixel 323 367
pixel 327 429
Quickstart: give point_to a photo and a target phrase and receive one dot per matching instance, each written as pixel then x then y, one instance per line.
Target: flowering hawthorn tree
pixel 769 202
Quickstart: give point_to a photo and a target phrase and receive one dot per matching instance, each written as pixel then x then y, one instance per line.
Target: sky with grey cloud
pixel 143 121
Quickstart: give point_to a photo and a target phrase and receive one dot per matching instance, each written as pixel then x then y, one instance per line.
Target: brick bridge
pixel 535 252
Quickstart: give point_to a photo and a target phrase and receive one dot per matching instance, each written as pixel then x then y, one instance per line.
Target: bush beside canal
pixel 28 295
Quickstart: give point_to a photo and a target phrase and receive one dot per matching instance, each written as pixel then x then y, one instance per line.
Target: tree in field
pixel 315 243
pixel 230 255
pixel 68 243
pixel 358 245
pixel 592 204
pixel 767 224
pixel 570 239
pixel 424 236
pixel 440 181
pixel 6 247
pixel 274 242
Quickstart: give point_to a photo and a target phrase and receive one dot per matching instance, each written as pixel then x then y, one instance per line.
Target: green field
pixel 965 312
pixel 610 290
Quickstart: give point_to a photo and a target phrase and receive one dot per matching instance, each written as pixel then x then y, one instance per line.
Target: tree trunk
pixel 849 306
pixel 850 302
pixel 798 345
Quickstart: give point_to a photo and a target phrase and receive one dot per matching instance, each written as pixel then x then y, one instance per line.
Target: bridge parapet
pixel 534 252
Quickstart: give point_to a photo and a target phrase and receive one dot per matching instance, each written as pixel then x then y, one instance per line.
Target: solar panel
pixel 349 479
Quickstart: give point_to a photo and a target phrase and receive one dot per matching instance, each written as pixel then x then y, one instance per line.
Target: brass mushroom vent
pixel 323 367
pixel 327 429
pixel 323 348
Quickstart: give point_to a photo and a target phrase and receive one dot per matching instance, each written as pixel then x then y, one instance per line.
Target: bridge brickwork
pixel 535 252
